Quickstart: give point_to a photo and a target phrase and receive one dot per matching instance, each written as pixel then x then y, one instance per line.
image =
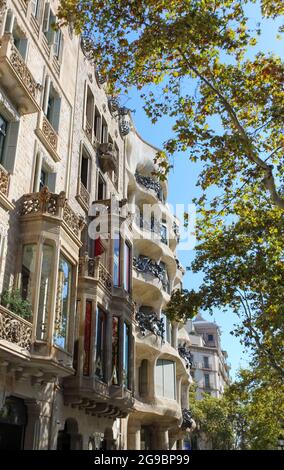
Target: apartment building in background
pixel 88 360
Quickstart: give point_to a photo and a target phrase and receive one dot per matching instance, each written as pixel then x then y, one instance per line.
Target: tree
pixel 196 52
pixel 213 426
pixel 255 408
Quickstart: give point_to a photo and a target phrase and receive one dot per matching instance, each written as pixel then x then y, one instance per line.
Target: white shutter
pixel 11 146
pixel 56 44
pixel 51 182
pixel 34 4
pixel 46 18
pixel 39 11
pixel 159 381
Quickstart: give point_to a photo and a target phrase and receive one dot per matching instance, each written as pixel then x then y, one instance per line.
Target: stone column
pixel 162 438
pixel 134 437
pixel 108 347
pixel 37 429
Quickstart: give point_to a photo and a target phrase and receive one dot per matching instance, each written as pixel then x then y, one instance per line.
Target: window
pixel 85 163
pixel 116 260
pixel 207 381
pixel 3 133
pixel 210 337
pixel 206 362
pixel 115 350
pixel 89 112
pixel 44 176
pixel 126 351
pixel 97 125
pixel 49 20
pixel 143 378
pixel 45 291
pixel 167 328
pixel 87 337
pixel 100 343
pixel 104 134
pixel 165 378
pixel 101 188
pixel 164 233
pixel 165 279
pixel 63 302
pixel 36 8
pixel 127 267
pixel 52 110
pixel 28 274
pixel 58 45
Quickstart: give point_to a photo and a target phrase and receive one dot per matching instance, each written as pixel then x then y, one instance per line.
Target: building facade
pixel 87 358
pixel 210 369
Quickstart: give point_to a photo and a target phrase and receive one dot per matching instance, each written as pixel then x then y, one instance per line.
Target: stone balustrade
pixel 46 203
pixel 15 329
pixel 92 267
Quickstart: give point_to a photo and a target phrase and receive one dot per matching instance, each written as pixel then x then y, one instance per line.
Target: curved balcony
pixel 149 272
pixel 186 355
pixel 16 78
pixel 107 157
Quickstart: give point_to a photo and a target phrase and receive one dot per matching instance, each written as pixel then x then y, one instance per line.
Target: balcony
pixel 14 330
pixel 92 269
pixel 149 183
pixel 145 265
pixel 186 355
pixel 107 157
pixel 52 207
pixel 48 136
pixel 4 189
pixel 148 321
pixel 83 196
pixel 16 79
pixel 187 420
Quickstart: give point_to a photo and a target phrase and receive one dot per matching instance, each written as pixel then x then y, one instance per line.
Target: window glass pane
pixel 3 132
pixel 116 260
pixel 126 276
pixel 87 337
pixel 45 292
pixel 126 356
pixel 63 303
pixel 115 350
pixel 206 380
pixel 206 362
pixel 100 342
pixel 159 378
pixel 28 271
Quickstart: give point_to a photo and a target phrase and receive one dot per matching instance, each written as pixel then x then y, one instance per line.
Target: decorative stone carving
pixel 176 231
pixel 146 265
pixel 107 157
pixel 45 202
pixel 85 195
pixel 3 8
pixel 49 133
pixel 187 421
pixel 185 353
pixel 22 70
pixel 100 78
pixel 92 267
pixel 149 183
pixel 148 321
pixel 124 126
pixel 4 181
pixel 113 104
pixel 15 329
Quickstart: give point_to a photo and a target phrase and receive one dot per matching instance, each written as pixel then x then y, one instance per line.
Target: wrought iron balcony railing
pixel 185 353
pixel 149 183
pixel 187 420
pixel 146 265
pixel 148 321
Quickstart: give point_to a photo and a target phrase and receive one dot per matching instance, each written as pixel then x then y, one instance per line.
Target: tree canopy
pixel 196 51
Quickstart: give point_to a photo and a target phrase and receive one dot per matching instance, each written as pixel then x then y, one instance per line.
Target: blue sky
pixel 183 177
